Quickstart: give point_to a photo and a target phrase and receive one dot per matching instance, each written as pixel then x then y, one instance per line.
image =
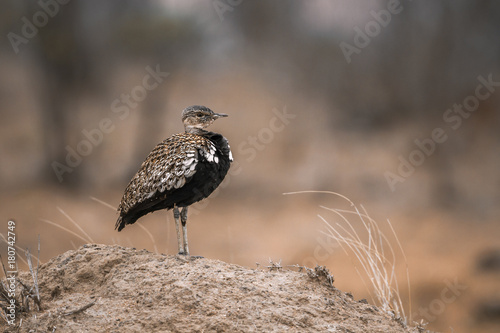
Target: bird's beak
pixel 220 115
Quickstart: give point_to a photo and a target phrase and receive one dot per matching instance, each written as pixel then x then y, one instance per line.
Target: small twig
pixel 299 268
pixel 34 276
pixel 3 316
pixel 38 257
pixel 3 266
pixel 83 308
pixel 274 265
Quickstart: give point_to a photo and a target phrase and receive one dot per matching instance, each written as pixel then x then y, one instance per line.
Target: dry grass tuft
pixel 23 295
pixel 374 252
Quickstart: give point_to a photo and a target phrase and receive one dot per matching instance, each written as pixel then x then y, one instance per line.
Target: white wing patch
pixel 210 153
pixel 230 154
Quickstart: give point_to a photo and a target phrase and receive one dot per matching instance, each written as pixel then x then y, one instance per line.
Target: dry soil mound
pixel 130 290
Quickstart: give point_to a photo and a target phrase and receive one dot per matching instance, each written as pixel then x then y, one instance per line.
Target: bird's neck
pixel 195 130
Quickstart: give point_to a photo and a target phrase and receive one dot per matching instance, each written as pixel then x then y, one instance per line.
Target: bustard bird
pixel 180 171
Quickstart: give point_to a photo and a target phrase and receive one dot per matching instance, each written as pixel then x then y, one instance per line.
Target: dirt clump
pixel 102 288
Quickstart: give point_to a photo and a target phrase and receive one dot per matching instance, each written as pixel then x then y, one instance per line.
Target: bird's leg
pixel 184 215
pixel 178 229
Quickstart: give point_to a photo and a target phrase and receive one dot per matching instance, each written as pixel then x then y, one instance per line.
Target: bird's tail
pixel 120 223
pixel 125 219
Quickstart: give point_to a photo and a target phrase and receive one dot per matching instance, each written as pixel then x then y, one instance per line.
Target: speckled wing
pixel 169 166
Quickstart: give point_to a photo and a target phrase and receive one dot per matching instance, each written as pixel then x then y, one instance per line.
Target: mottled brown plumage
pixel 180 171
pixel 167 167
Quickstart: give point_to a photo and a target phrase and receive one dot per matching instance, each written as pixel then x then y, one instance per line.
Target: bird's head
pixel 197 117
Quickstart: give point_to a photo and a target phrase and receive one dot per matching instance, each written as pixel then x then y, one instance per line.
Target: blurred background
pixel 392 104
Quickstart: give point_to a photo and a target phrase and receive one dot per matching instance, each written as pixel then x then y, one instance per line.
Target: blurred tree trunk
pixel 65 64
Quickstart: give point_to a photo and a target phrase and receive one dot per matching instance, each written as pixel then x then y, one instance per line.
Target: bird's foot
pixel 187 256
pixel 197 257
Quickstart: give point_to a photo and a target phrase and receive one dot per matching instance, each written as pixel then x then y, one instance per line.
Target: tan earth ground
pixel 102 288
pixel 440 249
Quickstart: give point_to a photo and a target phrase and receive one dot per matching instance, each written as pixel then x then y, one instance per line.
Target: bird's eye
pixel 199 115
